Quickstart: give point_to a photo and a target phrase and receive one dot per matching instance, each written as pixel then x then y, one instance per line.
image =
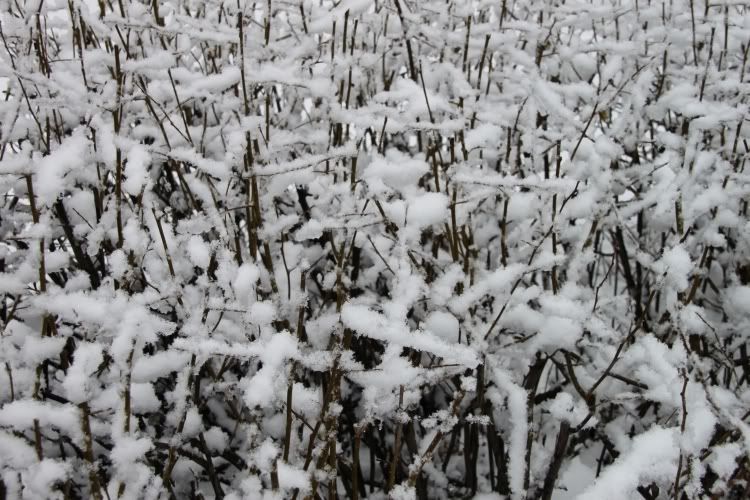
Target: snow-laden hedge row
pixel 405 248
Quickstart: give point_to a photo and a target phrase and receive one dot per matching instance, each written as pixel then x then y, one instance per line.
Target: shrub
pixel 417 249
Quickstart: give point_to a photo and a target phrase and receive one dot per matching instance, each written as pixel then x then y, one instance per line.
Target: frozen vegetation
pixel 407 249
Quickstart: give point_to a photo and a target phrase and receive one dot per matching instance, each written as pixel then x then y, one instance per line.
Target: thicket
pixel 372 248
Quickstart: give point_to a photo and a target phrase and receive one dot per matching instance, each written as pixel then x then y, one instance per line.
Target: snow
pixel 45 475
pixel 574 480
pixel 20 414
pixel 212 167
pixel 376 326
pixel 517 444
pixel 158 59
pixel 442 324
pixel 247 236
pixel 558 332
pixel 36 349
pixel 293 478
pixel 199 252
pixel 482 136
pixel 244 281
pixel 737 300
pixel 129 450
pixel 193 422
pixel 724 459
pixel 395 170
pixel 149 368
pixel 136 170
pixel 652 457
pixel 78 383
pixel 676 264
pixel 144 398
pixel 261 388
pixel 51 170
pixel 265 455
pixel 15 452
pixel 310 230
pixel 427 209
pixel 216 439
pixel 262 313
pixel 565 408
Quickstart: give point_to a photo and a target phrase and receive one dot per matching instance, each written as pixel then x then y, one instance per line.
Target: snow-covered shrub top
pixel 372 248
